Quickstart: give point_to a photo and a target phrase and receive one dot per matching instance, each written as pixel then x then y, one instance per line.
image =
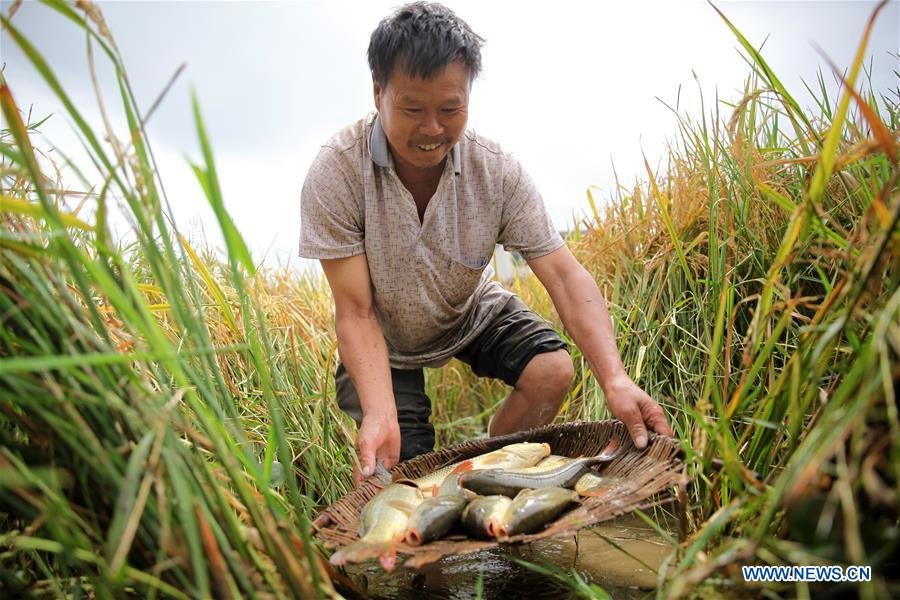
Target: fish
pixel 382 524
pixel 433 518
pixel 532 509
pixel 512 456
pixel 483 517
pixel 510 482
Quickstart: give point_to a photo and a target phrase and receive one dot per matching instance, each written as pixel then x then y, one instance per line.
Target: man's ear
pixel 377 90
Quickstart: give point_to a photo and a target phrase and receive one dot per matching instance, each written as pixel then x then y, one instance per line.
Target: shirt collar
pixel 378 148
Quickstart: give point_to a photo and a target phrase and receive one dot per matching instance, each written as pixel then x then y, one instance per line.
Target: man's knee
pixel 549 372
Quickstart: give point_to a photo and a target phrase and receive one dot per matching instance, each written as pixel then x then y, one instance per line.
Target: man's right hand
pixel 378 438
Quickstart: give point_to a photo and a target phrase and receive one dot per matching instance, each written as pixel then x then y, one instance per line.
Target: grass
pixel 151 392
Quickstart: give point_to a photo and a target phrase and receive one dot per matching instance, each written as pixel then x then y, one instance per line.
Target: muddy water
pixel 589 555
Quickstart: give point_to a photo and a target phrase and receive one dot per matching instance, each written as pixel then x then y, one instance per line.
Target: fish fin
pixel 355 552
pixel 463 467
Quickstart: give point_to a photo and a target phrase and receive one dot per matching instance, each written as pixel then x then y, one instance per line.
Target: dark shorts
pixel 502 351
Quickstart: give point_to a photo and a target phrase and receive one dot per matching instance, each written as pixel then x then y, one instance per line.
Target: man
pixel 404 209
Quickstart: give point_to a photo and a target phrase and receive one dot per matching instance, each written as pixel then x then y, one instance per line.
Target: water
pixel 595 559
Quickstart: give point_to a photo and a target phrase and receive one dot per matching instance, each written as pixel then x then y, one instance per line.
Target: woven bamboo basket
pixel 644 478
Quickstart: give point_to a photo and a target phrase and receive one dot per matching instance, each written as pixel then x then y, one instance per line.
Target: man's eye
pixel 413 111
pixel 450 111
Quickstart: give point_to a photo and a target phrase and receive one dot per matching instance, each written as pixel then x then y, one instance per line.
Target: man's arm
pixel 583 311
pixel 364 354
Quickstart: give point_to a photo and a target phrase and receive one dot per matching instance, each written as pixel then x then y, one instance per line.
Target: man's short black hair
pixel 422 38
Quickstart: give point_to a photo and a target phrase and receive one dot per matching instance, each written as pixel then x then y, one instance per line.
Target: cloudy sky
pixel 572 88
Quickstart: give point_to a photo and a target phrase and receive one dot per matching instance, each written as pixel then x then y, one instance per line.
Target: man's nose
pixel 431 126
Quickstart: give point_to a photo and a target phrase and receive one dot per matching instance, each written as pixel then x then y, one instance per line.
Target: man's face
pixel 423 119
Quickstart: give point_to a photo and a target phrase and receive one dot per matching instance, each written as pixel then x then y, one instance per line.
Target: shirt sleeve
pixel 525 226
pixel 332 222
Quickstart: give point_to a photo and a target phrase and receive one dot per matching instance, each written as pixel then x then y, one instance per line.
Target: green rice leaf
pixel 209 181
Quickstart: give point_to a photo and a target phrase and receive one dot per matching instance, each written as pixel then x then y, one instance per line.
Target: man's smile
pixel 429 147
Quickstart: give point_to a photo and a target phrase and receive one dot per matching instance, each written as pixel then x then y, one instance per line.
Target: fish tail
pixel 463 467
pixel 339 558
pixel 361 550
pixel 610 452
pixel 387 556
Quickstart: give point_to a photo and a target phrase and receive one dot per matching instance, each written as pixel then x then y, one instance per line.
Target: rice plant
pixel 148 402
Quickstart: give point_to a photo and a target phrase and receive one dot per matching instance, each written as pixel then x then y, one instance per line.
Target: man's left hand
pixel 631 405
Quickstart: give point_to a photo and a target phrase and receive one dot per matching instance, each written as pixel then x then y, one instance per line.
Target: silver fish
pixel 511 456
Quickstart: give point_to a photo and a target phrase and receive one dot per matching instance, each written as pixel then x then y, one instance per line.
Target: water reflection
pixel 596 559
